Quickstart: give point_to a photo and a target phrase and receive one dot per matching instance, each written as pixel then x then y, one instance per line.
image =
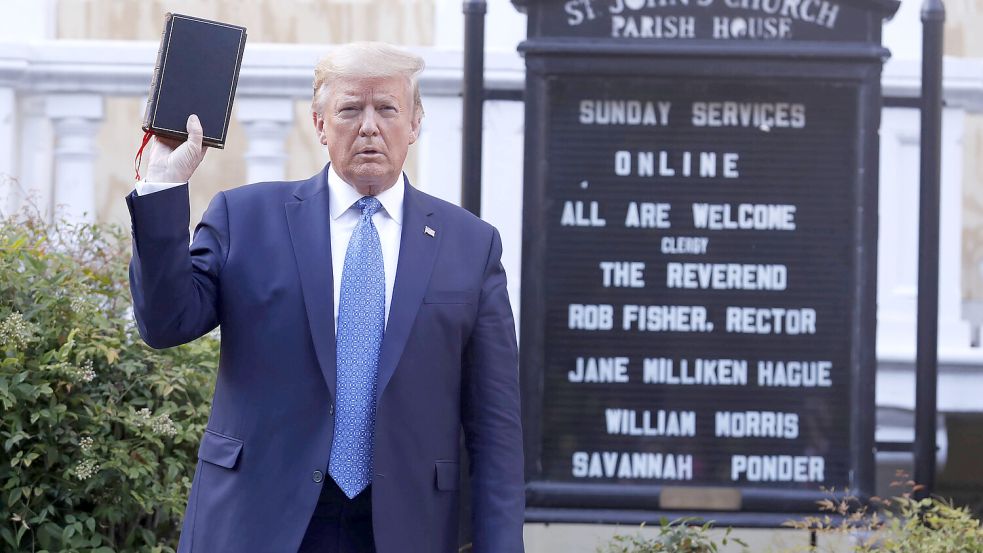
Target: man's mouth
pixel 369 152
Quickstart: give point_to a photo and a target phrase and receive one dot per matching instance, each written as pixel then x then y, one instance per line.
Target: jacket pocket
pixel 448 475
pixel 219 449
pixel 449 296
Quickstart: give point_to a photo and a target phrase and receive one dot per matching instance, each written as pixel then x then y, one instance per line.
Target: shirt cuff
pixel 144 187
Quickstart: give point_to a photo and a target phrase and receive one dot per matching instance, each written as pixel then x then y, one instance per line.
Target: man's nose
pixel 369 126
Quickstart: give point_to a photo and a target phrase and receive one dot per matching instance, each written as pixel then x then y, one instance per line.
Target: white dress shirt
pixel 344 217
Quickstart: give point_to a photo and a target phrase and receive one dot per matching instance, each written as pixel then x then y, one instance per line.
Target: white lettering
pixel 665 318
pixel 771 320
pixel 744 216
pixel 624 112
pixel 760 115
pixel 756 424
pixel 620 464
pixel 647 215
pixel 622 274
pixel 703 372
pixel 622 163
pixel 705 165
pixel 777 468
pixel 795 374
pixel 726 276
pixel 630 422
pixel 575 215
pixel 590 317
pixel 653 26
pixel 600 370
pixel 684 245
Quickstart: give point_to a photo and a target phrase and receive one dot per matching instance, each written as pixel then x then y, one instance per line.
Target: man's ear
pixel 318 121
pixel 415 130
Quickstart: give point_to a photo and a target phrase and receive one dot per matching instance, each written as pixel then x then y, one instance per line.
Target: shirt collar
pixel 342 196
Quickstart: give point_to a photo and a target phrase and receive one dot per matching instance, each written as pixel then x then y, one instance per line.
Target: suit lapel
pixel 417 252
pixel 309 222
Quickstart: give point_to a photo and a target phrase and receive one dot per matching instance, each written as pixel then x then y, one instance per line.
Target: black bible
pixel 197 71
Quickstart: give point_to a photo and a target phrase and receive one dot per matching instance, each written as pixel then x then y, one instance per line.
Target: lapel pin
pixel 429 232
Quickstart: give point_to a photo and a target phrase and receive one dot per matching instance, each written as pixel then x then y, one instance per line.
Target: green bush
pixel 930 525
pixel 901 524
pixel 99 432
pixel 680 536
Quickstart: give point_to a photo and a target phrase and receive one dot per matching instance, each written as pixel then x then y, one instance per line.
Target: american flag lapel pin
pixel 429 232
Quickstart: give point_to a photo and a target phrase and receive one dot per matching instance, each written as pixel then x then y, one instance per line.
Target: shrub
pixel 99 432
pixel 901 524
pixel 681 536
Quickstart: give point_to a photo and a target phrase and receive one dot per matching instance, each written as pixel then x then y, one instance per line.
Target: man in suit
pixel 364 325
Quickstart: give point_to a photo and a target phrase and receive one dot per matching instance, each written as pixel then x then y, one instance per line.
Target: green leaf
pixel 14 440
pixel 14 496
pixel 8 536
pixel 70 282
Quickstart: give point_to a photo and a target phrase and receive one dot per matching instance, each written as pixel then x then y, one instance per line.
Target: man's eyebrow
pixel 387 95
pixel 354 97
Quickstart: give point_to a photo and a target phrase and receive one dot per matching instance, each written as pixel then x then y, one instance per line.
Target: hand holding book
pixel 191 94
pixel 172 160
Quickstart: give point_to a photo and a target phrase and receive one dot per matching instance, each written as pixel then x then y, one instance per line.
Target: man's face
pixel 368 125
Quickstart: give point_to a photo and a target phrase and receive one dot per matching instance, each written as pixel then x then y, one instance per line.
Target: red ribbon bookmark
pixel 139 156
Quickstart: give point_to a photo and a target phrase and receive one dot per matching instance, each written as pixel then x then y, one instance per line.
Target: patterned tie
pixel 361 323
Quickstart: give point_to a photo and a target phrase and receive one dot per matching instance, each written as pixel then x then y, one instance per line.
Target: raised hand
pixel 175 161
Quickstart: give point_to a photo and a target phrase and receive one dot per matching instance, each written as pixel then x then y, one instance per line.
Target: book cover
pixel 197 70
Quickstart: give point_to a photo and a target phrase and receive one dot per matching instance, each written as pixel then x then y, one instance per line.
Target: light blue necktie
pixel 361 323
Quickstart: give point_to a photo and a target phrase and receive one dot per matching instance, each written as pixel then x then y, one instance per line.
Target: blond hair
pixel 366 60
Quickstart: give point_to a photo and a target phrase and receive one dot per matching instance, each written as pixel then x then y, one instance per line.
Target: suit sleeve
pixel 176 288
pixel 144 188
pixel 491 417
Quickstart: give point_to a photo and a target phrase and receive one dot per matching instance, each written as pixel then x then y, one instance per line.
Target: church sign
pixel 699 254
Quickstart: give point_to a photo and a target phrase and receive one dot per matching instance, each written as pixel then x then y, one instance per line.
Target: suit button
pixel 318 477
pixel 331 409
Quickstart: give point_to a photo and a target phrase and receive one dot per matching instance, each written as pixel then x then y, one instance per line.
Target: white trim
pixel 962 81
pixel 124 68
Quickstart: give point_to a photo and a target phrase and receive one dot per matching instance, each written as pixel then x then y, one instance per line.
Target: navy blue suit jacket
pixel 260 267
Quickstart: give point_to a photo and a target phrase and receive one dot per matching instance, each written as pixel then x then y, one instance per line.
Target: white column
pixel 898 238
pixel 897 243
pixel 439 148
pixel 267 122
pixel 34 183
pixel 903 32
pixel 75 119
pixel 25 20
pixel 954 332
pixel 8 150
pixel 505 26
pixel 501 185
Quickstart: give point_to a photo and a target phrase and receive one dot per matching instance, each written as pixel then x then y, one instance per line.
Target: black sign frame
pixel 857 65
